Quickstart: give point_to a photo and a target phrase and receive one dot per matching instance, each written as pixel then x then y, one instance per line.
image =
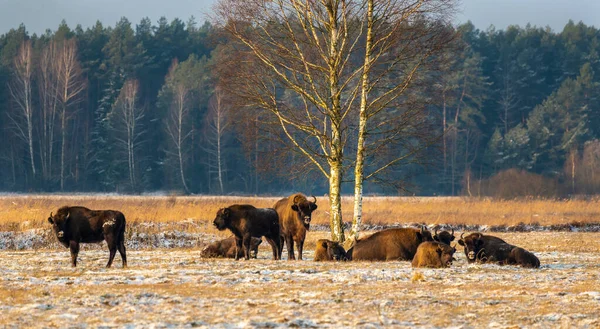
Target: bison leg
pixel 121 246
pixel 247 240
pixel 238 247
pixel 281 245
pixel 112 248
pixel 74 247
pixel 275 247
pixel 290 247
pixel 300 245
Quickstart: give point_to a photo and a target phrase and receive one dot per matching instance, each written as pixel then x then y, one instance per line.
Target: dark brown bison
pixel 433 254
pixel 245 222
pixel 443 236
pixel 327 250
pixel 75 225
pixel 227 248
pixel 390 244
pixel 487 248
pixel 295 214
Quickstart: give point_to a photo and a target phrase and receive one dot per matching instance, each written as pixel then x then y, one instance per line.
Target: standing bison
pixel 245 222
pixel 390 244
pixel 75 225
pixel 434 255
pixel 227 248
pixel 327 250
pixel 486 248
pixel 295 214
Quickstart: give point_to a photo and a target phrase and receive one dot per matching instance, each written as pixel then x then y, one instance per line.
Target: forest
pixel 135 108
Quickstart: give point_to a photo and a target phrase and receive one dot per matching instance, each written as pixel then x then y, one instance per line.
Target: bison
pixel 327 250
pixel 487 248
pixel 75 225
pixel 390 244
pixel 245 222
pixel 433 254
pixel 295 214
pixel 444 237
pixel 227 248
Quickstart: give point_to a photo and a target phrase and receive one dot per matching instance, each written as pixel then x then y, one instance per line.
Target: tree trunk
pixel 362 129
pixel 335 202
pixel 63 121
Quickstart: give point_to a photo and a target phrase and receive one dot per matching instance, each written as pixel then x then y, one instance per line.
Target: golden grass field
pixel 166 287
pixel 176 288
pixel 35 209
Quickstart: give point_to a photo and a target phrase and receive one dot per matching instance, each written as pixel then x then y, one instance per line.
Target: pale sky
pixel 38 15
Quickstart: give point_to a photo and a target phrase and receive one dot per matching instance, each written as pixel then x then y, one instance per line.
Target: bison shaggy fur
pixel 434 255
pixel 75 225
pixel 490 249
pixel 227 248
pixel 295 213
pixel 390 244
pixel 327 250
pixel 245 222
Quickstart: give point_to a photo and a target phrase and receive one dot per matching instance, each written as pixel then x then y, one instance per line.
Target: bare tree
pixel 217 124
pixel 48 89
pixel 303 48
pixel 128 115
pixel 177 122
pixel 21 92
pixel 403 48
pixel 310 49
pixel 71 85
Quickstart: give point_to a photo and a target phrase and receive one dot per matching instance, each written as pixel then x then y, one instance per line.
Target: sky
pixel 38 15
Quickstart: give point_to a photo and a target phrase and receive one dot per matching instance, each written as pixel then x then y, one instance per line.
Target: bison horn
pixel 435 233
pixel 452 231
pixel 51 214
pixel 296 199
pixel 68 214
pixel 461 235
pixel 315 199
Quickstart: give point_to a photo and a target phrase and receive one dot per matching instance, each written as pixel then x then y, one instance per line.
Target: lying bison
pixel 75 225
pixel 227 248
pixel 245 222
pixel 327 250
pixel 486 248
pixel 295 214
pixel 390 244
pixel 444 236
pixel 434 255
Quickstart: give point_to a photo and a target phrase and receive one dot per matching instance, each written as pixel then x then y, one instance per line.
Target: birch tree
pixel 47 89
pixel 128 114
pixel 304 48
pixel 217 125
pixel 21 93
pixel 71 86
pixel 309 48
pixel 405 41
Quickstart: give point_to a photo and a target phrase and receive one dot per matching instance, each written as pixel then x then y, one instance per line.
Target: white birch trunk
pixel 362 129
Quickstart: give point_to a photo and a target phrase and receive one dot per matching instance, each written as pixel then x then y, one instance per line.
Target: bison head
pixel 304 208
pixel 59 223
pixel 444 237
pixel 473 246
pixel 446 254
pixel 334 250
pixel 222 220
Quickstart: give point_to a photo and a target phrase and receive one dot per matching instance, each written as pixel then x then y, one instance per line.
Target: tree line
pixel 143 107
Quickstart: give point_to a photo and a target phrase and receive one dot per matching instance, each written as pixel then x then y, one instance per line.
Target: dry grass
pixel 196 213
pixel 176 288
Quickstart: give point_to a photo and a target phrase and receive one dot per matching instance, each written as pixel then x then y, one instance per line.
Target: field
pixel 168 284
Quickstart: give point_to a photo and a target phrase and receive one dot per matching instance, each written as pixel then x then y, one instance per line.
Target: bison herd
pixel 286 224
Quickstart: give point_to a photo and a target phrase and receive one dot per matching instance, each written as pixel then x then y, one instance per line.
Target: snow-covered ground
pixel 173 288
